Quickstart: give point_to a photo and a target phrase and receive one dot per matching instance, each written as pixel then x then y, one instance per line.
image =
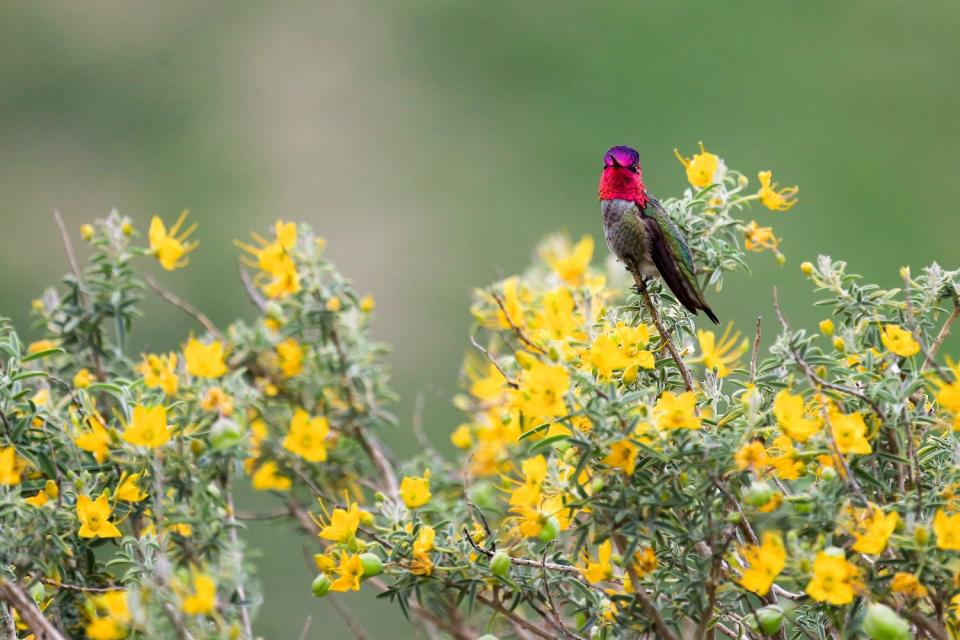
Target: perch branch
pixel 664 334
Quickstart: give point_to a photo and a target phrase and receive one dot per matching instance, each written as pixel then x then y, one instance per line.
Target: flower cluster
pixel 620 473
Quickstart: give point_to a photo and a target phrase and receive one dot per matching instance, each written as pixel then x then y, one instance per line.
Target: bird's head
pixel 622 177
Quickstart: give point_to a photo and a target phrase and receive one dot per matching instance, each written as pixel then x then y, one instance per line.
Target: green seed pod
pixel 550 530
pixel 225 433
pixel 372 565
pixel 769 620
pixel 321 585
pixel 758 494
pixel 882 623
pixel 500 564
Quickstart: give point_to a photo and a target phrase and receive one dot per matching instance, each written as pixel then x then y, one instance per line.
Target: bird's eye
pixel 635 168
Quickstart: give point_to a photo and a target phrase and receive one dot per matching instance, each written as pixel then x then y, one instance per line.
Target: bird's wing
pixel 671 255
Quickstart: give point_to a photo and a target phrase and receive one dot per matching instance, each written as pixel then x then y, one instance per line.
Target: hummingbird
pixel 641 234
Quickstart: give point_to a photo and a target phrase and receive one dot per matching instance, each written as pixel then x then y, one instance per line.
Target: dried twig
pixel 186 307
pixel 756 349
pixel 945 329
pixel 511 383
pixel 67 245
pixel 347 618
pixel 915 330
pixel 516 329
pixel 664 334
pixel 18 598
pixel 523 562
pixel 251 288
pixel 558 619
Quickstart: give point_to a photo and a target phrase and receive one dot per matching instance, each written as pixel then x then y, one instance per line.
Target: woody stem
pixel 664 334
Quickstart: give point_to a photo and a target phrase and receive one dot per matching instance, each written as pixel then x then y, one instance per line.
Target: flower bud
pixel 630 374
pixel 550 530
pixel 828 474
pixel 500 564
pixel 826 327
pixel 366 518
pixel 321 585
pixel 781 259
pixel 86 232
pixel 758 494
pixel 921 535
pixel 742 181
pixel 806 268
pixel 372 565
pixel 838 344
pixel 882 623
pixel 127 229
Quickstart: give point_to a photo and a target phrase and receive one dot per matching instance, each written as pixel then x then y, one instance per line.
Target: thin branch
pixel 15 595
pixel 523 562
pixel 915 329
pixel 756 349
pixel 516 329
pixel 251 288
pixel 663 631
pixel 238 561
pixel 561 626
pixel 664 334
pixel 306 628
pixel 186 307
pixel 945 329
pixel 347 617
pixel 511 383
pixel 79 588
pixel 67 245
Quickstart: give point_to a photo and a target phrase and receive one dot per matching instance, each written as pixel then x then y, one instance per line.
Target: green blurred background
pixel 434 143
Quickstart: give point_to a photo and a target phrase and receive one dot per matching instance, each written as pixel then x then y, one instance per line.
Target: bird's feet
pixel 636 287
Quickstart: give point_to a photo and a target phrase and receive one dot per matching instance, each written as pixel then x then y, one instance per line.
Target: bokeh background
pixel 434 143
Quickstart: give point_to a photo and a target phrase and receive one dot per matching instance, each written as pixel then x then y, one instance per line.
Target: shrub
pixel 623 473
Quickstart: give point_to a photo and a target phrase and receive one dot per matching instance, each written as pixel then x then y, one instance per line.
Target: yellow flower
pixel 835 580
pixel 849 432
pixel 41 345
pixel 334 304
pixel 148 428
pixel 899 341
pixel 781 458
pixel 307 436
pixel 644 562
pixel 367 303
pixel 86 231
pixel 343 525
pixel 114 604
pixel 826 327
pixel 534 471
pixel 601 569
pixel 773 198
pixel 349 572
pixel 128 491
pixel 908 584
pixel 49 492
pixel 947 530
pixel 216 399
pixel 424 542
pixel 160 372
pixel 275 262
pixel 719 356
pixel 203 600
pixel 542 387
pixel 96 440
pixel 171 247
pixel 415 491
pixel 291 357
pixel 204 360
pixel 676 412
pixel 751 455
pixel 702 169
pixel 948 393
pixel 267 478
pixel 9 466
pixel 605 356
pixel 461 437
pixel 557 318
pixel 104 629
pixel 789 411
pixel 764 563
pixel 570 263
pixel 623 456
pixel 876 530
pixel 94 516
pixel 757 238
pixel 83 379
